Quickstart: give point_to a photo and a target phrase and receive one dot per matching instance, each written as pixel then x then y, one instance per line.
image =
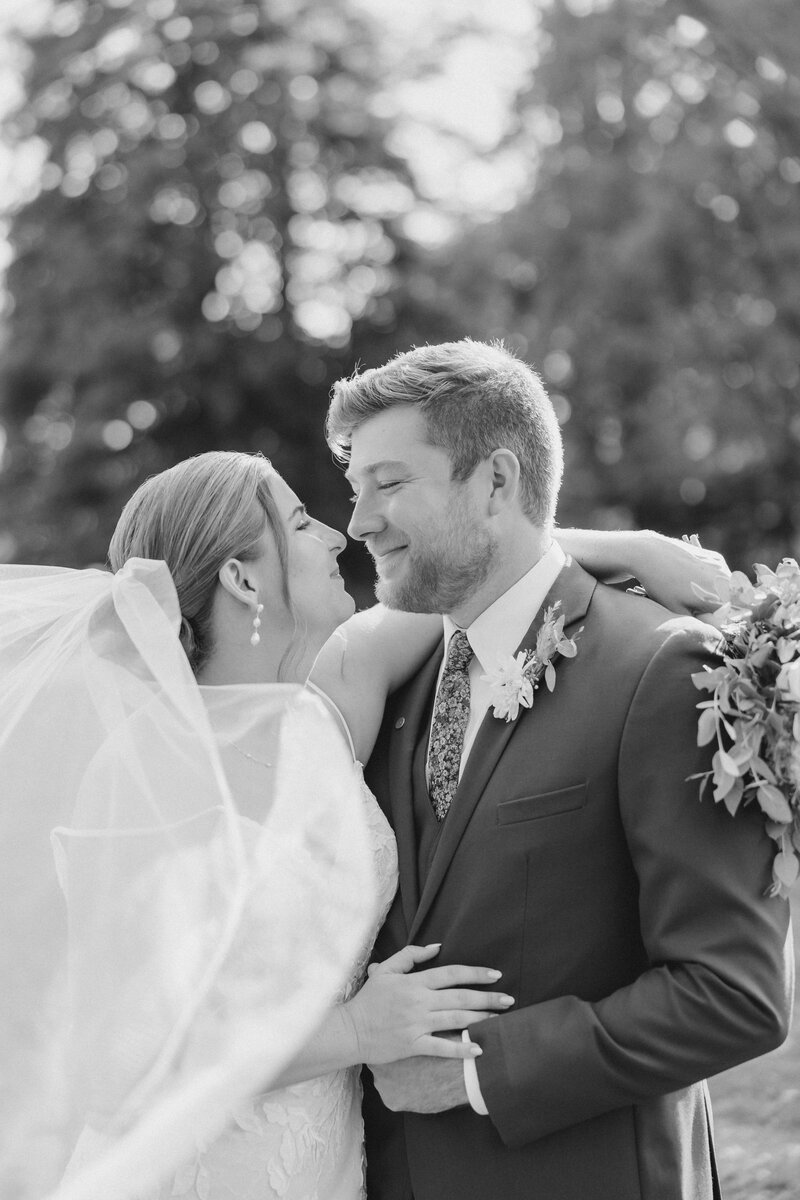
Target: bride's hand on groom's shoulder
pixel 677 572
pixel 680 573
pixel 400 1010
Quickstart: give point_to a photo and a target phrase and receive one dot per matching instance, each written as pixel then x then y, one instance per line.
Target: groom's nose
pixel 366 518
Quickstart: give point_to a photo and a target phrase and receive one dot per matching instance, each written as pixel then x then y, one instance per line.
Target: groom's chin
pixel 394 595
pixel 386 594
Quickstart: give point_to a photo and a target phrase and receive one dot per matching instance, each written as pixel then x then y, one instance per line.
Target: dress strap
pixel 337 712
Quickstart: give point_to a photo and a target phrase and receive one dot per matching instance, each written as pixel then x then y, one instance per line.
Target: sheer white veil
pixel 186 882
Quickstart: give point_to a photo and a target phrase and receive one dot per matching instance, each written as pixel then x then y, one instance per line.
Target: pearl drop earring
pixel 256 637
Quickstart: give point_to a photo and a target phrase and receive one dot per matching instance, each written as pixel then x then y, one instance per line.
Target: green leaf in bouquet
pixel 774 803
pixel 704 777
pixel 786 868
pixel 733 798
pixel 725 763
pixel 707 680
pixel 763 770
pixel 707 725
pixel 740 753
pixel 786 649
pixel 723 785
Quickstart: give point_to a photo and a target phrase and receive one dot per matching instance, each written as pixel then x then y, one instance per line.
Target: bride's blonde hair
pixel 194 517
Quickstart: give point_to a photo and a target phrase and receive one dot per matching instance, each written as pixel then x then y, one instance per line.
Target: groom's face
pixel 427 534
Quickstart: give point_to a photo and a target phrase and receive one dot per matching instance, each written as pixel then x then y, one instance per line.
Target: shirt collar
pixel 500 628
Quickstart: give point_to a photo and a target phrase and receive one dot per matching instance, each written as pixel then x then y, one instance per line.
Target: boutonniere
pixel 517 676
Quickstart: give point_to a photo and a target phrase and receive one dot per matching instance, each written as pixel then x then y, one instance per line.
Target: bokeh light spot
pixel 117 435
pixel 256 137
pixel 211 97
pixel 142 414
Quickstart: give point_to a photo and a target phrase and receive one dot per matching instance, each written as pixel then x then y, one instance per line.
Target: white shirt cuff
pixel 474 1095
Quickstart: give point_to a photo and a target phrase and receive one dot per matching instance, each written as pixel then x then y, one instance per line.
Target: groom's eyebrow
pixel 373 468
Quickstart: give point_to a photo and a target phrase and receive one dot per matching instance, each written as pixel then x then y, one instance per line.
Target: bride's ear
pixel 235 577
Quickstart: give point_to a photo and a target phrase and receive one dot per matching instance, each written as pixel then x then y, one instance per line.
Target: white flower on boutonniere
pixel 516 677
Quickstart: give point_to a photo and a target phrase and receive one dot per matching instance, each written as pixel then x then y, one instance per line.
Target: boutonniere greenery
pixel 516 677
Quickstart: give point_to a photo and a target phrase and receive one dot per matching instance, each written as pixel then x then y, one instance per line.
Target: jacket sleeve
pixel 717 990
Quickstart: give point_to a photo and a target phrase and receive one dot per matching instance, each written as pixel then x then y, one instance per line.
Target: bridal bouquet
pixel 753 711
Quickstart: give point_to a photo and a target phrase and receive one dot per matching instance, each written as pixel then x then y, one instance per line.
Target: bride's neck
pixel 267 662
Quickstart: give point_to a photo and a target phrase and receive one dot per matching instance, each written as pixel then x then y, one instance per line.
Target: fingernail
pixel 494 974
pixel 475 1051
pixel 434 946
pixel 506 1001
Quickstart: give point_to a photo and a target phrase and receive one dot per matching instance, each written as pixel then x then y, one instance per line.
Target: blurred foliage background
pixel 236 202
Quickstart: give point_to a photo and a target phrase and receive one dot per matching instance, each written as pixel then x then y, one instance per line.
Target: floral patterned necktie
pixel 450 716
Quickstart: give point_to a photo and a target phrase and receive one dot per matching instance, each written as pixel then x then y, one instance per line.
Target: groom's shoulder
pixel 644 628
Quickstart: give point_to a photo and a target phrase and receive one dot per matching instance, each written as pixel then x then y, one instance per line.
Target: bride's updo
pixel 194 517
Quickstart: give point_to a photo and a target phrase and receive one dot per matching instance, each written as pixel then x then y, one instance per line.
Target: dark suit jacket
pixel 628 918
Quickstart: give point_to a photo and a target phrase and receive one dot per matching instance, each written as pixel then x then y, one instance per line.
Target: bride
pixel 280 1011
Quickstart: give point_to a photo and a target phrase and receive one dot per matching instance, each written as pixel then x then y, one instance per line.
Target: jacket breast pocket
pixel 548 804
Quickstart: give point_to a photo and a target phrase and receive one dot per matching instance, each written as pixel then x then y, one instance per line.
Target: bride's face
pixel 315 585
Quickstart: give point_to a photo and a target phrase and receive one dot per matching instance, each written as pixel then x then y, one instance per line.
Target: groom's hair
pixel 476 397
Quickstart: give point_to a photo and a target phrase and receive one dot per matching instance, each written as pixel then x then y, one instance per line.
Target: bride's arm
pixel 378 649
pixel 397 1014
pixel 366 658
pixel 666 567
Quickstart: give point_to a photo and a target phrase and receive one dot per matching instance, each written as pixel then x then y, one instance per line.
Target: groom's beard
pixel 441 577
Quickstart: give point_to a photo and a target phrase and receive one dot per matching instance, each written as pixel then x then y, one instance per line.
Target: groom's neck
pixel 516 554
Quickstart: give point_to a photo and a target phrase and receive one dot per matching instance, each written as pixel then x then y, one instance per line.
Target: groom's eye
pixel 382 487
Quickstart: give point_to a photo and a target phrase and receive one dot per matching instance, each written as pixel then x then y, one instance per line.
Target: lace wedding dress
pixel 303 1142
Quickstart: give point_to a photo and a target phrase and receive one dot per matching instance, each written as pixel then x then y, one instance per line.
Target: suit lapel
pixel 573 588
pixel 410 711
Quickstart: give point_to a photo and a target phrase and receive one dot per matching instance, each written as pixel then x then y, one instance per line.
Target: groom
pixel 566 847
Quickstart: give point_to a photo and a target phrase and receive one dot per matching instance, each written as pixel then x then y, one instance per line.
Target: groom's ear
pixel 234 576
pixel 504 470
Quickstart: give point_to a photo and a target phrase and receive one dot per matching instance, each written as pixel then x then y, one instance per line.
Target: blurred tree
pixel 223 226
pixel 218 208
pixel 653 273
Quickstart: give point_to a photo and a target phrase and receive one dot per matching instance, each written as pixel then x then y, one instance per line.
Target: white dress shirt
pixel 497 633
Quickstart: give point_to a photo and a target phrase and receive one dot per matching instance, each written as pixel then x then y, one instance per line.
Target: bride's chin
pixel 345 608
pixel 338 616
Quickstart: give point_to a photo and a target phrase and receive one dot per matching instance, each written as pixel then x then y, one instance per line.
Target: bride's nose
pixel 336 540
